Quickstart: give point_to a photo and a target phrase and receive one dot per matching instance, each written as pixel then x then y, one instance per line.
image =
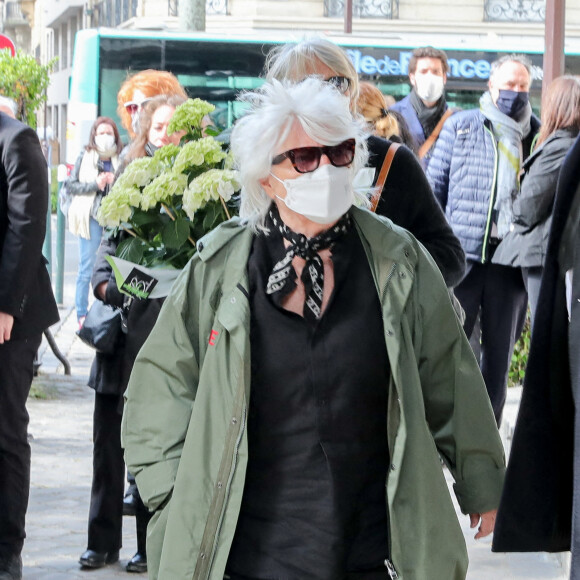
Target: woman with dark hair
pixel 88 183
pixel 540 505
pixel 110 374
pixel 383 122
pixel 527 242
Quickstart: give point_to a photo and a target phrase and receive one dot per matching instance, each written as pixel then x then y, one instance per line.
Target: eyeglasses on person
pixel 307 159
pixel 342 84
pixel 132 107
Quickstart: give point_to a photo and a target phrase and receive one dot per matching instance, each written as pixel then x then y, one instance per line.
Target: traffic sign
pixel 5 42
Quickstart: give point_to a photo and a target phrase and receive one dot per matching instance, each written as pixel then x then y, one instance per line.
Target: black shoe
pixel 129 505
pixel 92 559
pixel 138 563
pixel 11 568
pixel 130 501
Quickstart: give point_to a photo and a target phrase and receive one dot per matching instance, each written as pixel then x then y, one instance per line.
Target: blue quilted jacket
pixel 406 109
pixel 462 173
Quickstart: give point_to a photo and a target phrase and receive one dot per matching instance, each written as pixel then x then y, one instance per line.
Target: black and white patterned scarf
pixel 306 248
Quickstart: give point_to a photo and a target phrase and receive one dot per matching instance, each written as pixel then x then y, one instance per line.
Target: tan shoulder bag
pixel 383 176
pixel 424 149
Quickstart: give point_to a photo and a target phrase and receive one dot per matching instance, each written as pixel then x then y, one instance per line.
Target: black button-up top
pixel 314 504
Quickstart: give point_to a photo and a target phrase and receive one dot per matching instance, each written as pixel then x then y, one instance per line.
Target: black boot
pixel 138 563
pixel 11 567
pixel 130 501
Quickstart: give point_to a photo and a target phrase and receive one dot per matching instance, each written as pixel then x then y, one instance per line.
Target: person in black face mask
pixel 474 172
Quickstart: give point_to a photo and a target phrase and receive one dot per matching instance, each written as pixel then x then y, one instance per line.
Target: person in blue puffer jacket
pixel 474 173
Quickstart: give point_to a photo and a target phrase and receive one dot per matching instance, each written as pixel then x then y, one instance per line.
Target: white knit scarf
pixel 80 210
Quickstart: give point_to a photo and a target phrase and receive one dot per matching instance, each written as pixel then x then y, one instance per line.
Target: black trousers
pixel 498 294
pixel 16 372
pixel 106 510
pixel 533 281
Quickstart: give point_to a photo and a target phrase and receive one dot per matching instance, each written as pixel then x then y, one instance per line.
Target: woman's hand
pixel 101 290
pixel 101 181
pixel 105 178
pixel 6 323
pixel 487 523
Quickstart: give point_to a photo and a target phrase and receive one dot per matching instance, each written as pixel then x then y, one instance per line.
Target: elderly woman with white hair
pixel 286 416
pixel 406 197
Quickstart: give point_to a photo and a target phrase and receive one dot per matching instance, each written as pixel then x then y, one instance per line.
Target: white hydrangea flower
pixel 196 153
pixel 211 185
pixel 140 172
pixel 117 207
pixel 162 189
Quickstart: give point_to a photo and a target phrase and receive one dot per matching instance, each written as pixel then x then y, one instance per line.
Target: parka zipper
pixel 390 275
pixel 233 469
pixel 391 570
pixel 217 509
pixel 389 565
pixel 491 199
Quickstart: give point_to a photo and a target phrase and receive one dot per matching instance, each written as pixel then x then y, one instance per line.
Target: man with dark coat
pixel 540 506
pixel 27 308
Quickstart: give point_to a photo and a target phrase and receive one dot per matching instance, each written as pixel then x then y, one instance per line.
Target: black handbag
pixel 102 328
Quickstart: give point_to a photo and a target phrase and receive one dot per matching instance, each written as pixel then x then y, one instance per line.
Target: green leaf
pixel 131 249
pixel 212 216
pixel 174 234
pixel 141 218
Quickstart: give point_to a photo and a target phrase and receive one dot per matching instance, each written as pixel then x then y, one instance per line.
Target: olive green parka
pixel 184 424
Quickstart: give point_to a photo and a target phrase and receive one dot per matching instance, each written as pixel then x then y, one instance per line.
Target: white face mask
pixel 105 143
pixel 429 87
pixel 322 196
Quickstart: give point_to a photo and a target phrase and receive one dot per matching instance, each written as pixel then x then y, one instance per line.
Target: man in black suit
pixel 27 308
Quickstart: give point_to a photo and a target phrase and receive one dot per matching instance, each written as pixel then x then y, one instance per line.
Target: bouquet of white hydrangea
pixel 168 201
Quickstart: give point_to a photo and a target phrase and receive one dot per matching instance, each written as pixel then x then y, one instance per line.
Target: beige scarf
pixel 79 213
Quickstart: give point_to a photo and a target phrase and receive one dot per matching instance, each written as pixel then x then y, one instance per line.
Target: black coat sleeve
pixel 103 272
pixel 407 199
pixel 24 191
pixel 538 188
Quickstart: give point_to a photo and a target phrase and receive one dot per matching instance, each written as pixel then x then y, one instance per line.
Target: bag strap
pixel 424 149
pixel 383 175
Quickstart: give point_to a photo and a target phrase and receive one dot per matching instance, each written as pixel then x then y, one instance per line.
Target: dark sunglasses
pixel 307 159
pixel 132 107
pixel 342 84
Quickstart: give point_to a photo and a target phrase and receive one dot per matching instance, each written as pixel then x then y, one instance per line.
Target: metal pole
pixel 555 32
pixel 59 282
pixel 47 245
pixel 348 17
pixel 61 177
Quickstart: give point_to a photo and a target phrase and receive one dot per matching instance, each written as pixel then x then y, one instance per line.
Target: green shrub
pixel 520 356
